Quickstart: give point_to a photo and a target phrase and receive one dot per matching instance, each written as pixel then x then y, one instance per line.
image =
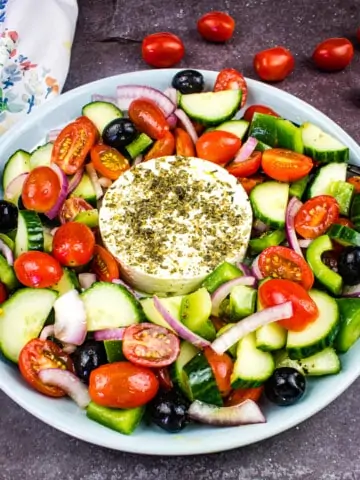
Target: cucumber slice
pixel 200 382
pixel 252 366
pixel 319 334
pixel 172 304
pixel 344 235
pixel 110 306
pixel 321 146
pixel 233 348
pixel 211 108
pixel 282 359
pixel 297 189
pixel 187 353
pixel 85 190
pixel 88 217
pixel 223 273
pixel 240 304
pixel 41 157
pixel 30 233
pixel 67 282
pixel 122 421
pixel 271 337
pixel 261 146
pixel 322 363
pixel 139 145
pixel 269 202
pixel 264 128
pixel 327 277
pixel 355 211
pixel 7 274
pixel 349 331
pixel 22 318
pixel 114 351
pixel 237 127
pixel 195 311
pixel 325 177
pixel 343 193
pixel 289 136
pixel 101 114
pixel 268 239
pixel 17 164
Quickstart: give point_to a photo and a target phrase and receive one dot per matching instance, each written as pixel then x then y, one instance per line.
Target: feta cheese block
pixel 170 221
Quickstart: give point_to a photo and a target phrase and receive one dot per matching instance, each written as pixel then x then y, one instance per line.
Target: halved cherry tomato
pixel 316 216
pixel 282 262
pixel 37 269
pixel 104 265
pixel 71 207
pixel 108 161
pixel 344 221
pixel 216 26
pixel 199 127
pixel 218 147
pixel 73 144
pixel 3 293
pixel 241 394
pixel 164 377
pixel 162 49
pixel 247 167
pixel 122 385
pixel 150 345
pixel 333 54
pixel 73 244
pixel 161 148
pixel 184 145
pixel 277 291
pixel 222 367
pixel 249 112
pixel 274 64
pixel 39 355
pixel 231 79
pixel 148 118
pixel 285 165
pixel 251 182
pixel 355 181
pixel 41 189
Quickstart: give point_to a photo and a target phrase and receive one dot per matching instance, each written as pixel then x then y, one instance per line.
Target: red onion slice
pixel 15 188
pixel 138 160
pixel 94 180
pixel 75 180
pixel 64 185
pixel 189 127
pixel 109 334
pixel 127 93
pixel 70 318
pixel 224 290
pixel 352 291
pixel 46 332
pixel 247 412
pixel 256 269
pixel 178 327
pixel 246 150
pixel 103 98
pixel 6 251
pixel 86 280
pixel 293 207
pixel 52 135
pixel 250 324
pixel 172 121
pixel 246 270
pixel 171 93
pixel 305 242
pixel 68 382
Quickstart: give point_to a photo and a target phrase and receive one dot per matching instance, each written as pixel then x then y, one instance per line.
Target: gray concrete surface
pixel 108 41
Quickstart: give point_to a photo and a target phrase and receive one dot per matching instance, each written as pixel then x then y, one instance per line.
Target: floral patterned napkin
pixel 35 46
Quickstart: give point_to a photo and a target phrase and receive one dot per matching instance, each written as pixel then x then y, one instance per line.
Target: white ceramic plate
pixel 63 414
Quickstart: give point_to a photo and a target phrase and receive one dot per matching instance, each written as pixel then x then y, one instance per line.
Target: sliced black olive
pixel 119 133
pixel 285 386
pixel 168 410
pixel 8 216
pixel 349 265
pixel 188 81
pixel 87 357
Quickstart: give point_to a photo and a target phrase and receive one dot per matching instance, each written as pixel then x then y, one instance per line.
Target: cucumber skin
pixel 349 314
pixel 6 176
pixel 345 235
pixel 355 211
pixel 277 224
pixel 339 156
pixel 123 421
pixel 7 274
pixel 297 353
pixel 34 230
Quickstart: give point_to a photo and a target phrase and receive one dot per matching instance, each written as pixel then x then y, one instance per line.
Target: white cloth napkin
pixel 35 45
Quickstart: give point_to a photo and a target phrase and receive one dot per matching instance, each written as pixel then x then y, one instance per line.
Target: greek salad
pixel 259 327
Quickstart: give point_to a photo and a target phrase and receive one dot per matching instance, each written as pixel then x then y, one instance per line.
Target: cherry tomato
pixel 274 64
pixel 277 291
pixel 184 144
pixel 162 49
pixel 247 167
pixel 148 118
pixel 150 345
pixel 316 216
pixel 164 377
pixel 73 144
pixel 71 207
pixel 251 182
pixel 222 367
pixel 39 355
pixel 285 165
pixel 3 293
pixel 333 54
pixel 216 27
pixel 108 161
pixel 344 221
pixel 231 79
pixel 241 394
pixel 104 265
pixel 122 385
pixel 73 244
pixel 282 262
pixel 249 112
pixel 37 269
pixel 199 127
pixel 355 181
pixel 218 147
pixel 161 148
pixel 41 189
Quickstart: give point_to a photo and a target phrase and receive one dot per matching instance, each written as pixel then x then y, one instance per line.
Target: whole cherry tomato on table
pixel 148 118
pixel 104 265
pixel 274 64
pixel 249 113
pixel 222 367
pixel 162 49
pixel 41 189
pixel 73 244
pixel 216 26
pixel 71 207
pixel 285 165
pixel 217 146
pixel 247 167
pixel 333 54
pixel 184 145
pixel 3 293
pixel 316 216
pixel 161 148
pixel 37 269
pixel 108 161
pixel 231 79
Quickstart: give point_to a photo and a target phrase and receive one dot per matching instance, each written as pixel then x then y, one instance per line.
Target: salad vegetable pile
pixel 253 328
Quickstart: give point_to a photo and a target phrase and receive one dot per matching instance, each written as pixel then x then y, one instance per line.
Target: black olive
pixel 119 133
pixel 285 386
pixel 188 81
pixel 330 259
pixel 87 357
pixel 8 216
pixel 169 410
pixel 349 265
